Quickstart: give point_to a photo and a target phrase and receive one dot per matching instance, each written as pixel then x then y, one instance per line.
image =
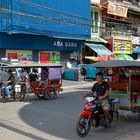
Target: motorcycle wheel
pixel 40 96
pixel 20 96
pixel 3 98
pixel 110 117
pixel 81 129
pixel 49 93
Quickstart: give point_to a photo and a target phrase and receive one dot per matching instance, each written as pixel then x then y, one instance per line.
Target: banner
pixel 50 57
pixel 122 46
pixel 23 56
pixel 117 10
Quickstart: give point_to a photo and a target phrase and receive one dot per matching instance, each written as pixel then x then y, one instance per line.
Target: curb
pixel 76 86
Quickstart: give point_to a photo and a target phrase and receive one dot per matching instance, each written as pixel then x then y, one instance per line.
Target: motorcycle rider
pixel 101 90
pixel 10 84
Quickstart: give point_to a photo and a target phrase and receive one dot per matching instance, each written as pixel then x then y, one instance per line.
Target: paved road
pixel 37 119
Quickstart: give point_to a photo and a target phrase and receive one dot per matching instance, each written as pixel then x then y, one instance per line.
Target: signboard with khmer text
pixel 117 10
pixel 122 46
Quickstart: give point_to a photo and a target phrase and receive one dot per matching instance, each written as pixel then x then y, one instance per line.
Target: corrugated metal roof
pixel 100 49
pixel 32 65
pixel 116 63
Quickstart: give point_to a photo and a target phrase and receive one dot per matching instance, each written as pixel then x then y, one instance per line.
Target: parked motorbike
pixel 18 93
pixel 93 115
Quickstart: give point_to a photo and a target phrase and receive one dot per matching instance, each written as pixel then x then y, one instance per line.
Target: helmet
pixel 34 70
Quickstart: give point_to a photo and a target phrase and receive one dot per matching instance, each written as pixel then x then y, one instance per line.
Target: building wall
pixel 5 15
pixel 53 18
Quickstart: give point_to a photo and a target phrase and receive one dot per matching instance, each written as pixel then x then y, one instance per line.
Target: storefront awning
pixel 100 49
pixel 97 39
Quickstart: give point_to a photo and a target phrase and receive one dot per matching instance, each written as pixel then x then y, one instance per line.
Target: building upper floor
pixel 120 16
pixel 69 19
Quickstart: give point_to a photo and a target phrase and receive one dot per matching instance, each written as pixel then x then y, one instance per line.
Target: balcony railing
pixel 106 28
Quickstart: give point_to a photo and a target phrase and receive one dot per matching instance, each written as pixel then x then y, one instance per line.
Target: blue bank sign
pixel 31 42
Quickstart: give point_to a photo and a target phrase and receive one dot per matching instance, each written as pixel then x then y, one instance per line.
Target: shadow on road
pixel 58 117
pixel 21 132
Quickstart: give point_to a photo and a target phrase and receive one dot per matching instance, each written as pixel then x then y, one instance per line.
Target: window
pixel 96 17
pixel 92 21
pixel 95 20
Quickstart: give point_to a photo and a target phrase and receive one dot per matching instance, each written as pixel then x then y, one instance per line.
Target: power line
pixel 54 10
pixel 57 11
pixel 65 21
pixel 38 16
pixel 58 20
pixel 44 18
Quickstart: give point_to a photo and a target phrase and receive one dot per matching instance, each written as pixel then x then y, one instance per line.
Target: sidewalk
pixel 69 83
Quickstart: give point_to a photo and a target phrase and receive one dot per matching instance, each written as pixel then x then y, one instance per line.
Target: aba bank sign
pixel 65 44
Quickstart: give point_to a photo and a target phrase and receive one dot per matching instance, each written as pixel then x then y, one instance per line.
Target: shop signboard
pixel 42 43
pixel 23 56
pixel 117 10
pixel 122 46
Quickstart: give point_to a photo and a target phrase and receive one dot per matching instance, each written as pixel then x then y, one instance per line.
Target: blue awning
pixel 100 49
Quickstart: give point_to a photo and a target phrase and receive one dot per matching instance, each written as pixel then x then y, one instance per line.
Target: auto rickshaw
pixel 47 89
pixel 123 77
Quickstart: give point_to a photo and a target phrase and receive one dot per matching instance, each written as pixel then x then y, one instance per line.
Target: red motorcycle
pixel 93 115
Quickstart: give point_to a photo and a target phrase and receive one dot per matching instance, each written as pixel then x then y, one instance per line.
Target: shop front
pixel 31 48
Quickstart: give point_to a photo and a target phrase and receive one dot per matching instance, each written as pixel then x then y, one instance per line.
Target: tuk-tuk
pixel 123 77
pixel 47 88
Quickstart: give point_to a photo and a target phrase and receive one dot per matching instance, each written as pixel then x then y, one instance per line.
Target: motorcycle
pixel 15 94
pixel 93 115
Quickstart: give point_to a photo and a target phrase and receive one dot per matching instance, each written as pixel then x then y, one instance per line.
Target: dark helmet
pixel 34 70
pixel 9 71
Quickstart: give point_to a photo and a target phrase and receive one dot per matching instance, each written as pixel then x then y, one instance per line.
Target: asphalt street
pixel 36 119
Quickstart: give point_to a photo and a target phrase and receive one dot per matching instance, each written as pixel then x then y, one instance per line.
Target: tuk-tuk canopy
pixel 32 66
pixel 116 63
